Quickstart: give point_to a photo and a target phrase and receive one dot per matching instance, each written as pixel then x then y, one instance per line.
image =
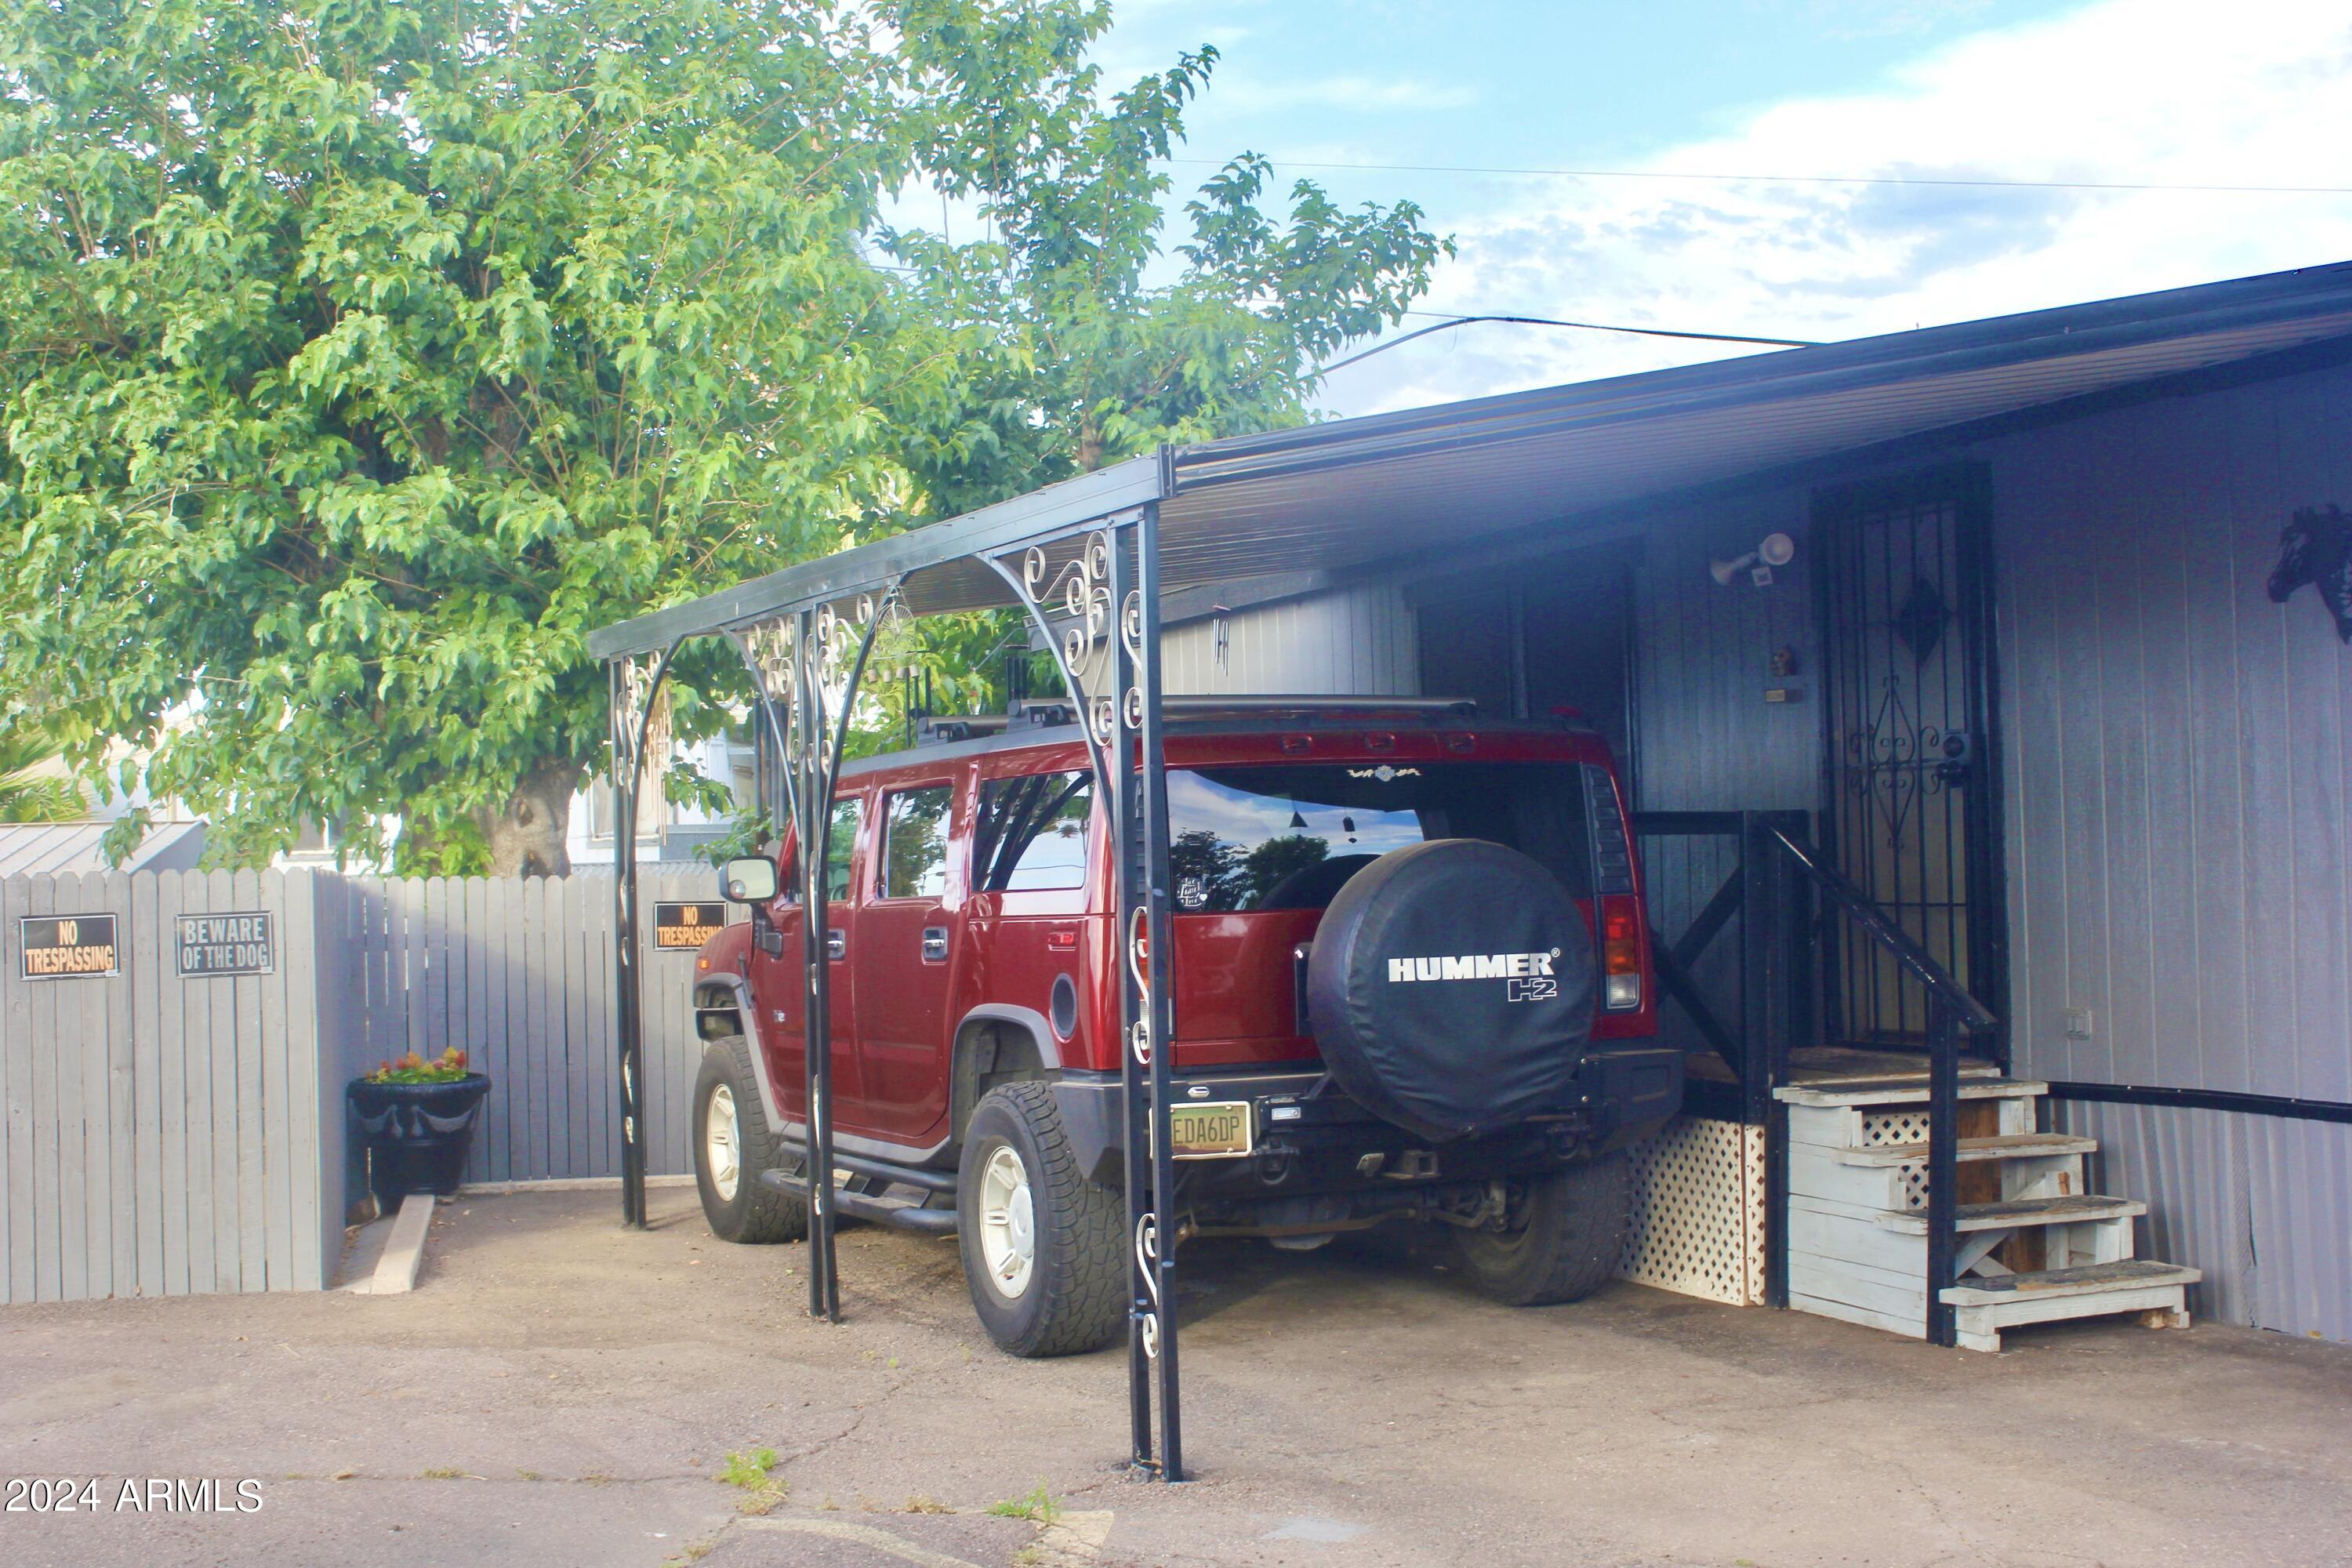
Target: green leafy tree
pixel 1097 345
pixel 28 793
pixel 357 358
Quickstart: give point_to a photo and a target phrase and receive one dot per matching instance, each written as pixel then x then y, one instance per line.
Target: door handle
pixel 836 944
pixel 935 944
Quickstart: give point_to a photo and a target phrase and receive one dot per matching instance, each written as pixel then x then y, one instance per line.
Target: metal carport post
pixel 1088 559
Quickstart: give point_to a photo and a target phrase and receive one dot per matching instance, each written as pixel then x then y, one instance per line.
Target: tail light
pixel 1620 955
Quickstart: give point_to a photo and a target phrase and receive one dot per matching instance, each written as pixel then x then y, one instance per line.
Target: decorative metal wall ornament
pixel 2315 547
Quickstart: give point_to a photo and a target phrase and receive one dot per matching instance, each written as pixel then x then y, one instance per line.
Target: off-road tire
pixel 758 1214
pixel 1075 1299
pixel 1569 1246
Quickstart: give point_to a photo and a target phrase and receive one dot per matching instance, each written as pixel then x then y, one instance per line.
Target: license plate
pixel 1209 1130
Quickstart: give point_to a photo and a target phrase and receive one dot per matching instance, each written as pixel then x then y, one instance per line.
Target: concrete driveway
pixel 559 1390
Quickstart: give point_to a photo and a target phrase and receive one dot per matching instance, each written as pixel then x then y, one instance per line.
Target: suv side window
pixel 915 841
pixel 839 847
pixel 839 843
pixel 1030 834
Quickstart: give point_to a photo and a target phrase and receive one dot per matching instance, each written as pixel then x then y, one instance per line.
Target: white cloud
pixel 2256 92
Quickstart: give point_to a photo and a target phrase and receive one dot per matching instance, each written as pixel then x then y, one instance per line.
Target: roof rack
pixel 1314 706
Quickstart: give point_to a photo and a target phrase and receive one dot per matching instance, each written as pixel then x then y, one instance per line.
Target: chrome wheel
pixel 1008 1223
pixel 722 1144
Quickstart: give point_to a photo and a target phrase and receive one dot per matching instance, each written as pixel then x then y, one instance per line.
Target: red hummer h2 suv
pixel 1412 980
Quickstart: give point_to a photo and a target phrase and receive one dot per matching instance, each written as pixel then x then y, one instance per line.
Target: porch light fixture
pixel 1776 550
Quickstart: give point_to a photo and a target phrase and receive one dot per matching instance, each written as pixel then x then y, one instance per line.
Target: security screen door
pixel 1910 811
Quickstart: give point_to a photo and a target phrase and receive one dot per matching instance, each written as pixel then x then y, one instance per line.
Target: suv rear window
pixel 1289 836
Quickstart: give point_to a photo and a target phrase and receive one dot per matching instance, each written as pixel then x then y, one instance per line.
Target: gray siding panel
pixel 2262 1205
pixel 1707 739
pixel 2177 744
pixel 1354 640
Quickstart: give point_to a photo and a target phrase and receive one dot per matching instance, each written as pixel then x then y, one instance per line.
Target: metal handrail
pixel 1756 885
pixel 1952 1012
pixel 1974 1016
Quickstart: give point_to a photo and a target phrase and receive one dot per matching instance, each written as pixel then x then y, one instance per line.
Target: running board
pixel 921 1176
pixel 862 1206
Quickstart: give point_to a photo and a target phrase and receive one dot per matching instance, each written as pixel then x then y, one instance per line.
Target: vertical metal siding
pixel 1707 739
pixel 1354 640
pixel 2177 757
pixel 2258 1203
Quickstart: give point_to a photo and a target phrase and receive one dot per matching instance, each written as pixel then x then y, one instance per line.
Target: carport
pixel 1204 535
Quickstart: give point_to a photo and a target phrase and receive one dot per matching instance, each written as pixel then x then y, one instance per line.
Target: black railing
pixel 1783 893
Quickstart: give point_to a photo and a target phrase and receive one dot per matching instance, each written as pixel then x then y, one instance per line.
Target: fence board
pixel 145 1078
pixel 252 1124
pixel 436 979
pixel 313 1066
pixel 81 1062
pixel 479 980
pixel 598 919
pixel 122 1100
pixel 66 998
pixel 171 1098
pixel 47 1285
pixel 220 1023
pixel 17 1084
pixel 576 1065
pixel 535 1106
pixel 504 1092
pixel 276 1135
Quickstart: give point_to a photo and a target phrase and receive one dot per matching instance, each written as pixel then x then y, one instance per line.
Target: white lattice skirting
pixel 1699 1212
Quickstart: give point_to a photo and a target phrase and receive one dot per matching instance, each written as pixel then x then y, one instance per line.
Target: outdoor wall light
pixel 1777 550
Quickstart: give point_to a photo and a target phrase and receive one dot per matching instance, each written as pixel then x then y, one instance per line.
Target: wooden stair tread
pixel 2131 1274
pixel 1902 1090
pixel 2009 1146
pixel 2017 1212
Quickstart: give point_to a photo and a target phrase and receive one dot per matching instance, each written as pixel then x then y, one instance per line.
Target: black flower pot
pixel 417 1134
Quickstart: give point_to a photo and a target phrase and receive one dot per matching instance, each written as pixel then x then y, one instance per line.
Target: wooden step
pixel 1905 1091
pixel 2019 1212
pixel 2009 1146
pixel 2091 1280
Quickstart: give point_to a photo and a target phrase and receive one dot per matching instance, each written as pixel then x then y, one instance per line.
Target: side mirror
pixel 749 879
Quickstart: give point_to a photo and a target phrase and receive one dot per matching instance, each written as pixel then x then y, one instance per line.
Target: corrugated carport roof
pixel 1356 490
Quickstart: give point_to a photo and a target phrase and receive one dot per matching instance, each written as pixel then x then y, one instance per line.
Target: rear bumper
pixel 1313 1137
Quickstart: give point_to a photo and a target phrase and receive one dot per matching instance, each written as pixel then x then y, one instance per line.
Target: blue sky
pixel 2251 93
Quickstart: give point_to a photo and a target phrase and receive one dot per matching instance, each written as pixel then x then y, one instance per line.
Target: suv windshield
pixel 1289 836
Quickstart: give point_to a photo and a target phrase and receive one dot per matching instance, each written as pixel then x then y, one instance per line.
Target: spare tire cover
pixel 1451 987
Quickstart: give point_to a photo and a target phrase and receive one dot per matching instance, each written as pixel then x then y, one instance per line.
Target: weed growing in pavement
pixel 445 1473
pixel 762 1490
pixel 921 1504
pixel 1035 1507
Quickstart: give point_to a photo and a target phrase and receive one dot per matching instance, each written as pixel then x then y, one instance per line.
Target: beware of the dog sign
pixel 65 947
pixel 213 945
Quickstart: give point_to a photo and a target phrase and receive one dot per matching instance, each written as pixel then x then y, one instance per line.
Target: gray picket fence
pixel 162 1134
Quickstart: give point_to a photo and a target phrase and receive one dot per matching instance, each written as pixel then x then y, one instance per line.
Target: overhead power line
pixel 1453 321
pixel 1965 181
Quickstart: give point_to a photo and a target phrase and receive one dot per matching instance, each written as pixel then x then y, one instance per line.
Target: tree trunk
pixel 527 836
